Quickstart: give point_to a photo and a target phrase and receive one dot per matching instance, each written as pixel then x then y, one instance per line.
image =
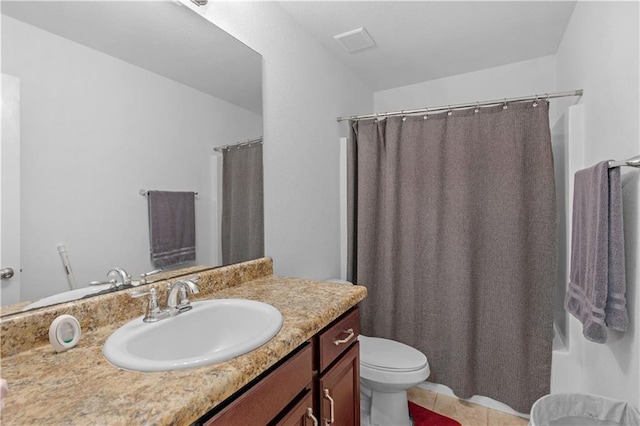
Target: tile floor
pixel 468 414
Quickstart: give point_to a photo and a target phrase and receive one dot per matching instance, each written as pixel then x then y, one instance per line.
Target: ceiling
pixel 163 37
pixel 419 41
pixel 416 41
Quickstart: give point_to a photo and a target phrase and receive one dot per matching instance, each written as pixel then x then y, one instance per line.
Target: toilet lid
pixel 384 354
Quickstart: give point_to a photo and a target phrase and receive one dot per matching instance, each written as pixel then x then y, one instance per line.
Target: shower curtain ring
pixel 426 113
pixel 535 101
pixel 404 117
pixel 449 112
pixel 505 104
pixel 477 110
pixel 547 98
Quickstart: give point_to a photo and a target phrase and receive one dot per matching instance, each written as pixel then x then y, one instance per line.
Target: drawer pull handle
pixel 331 411
pixel 346 339
pixel 311 416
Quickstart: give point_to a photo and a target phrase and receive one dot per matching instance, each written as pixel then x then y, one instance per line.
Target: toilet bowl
pixel 387 369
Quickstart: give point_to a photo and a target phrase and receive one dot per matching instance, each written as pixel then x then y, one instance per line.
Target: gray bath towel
pixel 596 293
pixel 172 227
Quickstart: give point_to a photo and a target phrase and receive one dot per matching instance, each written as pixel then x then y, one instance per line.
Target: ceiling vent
pixel 355 40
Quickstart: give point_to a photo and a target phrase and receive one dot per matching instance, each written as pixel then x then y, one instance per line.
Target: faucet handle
pixel 155 271
pixel 152 291
pixel 153 313
pixel 143 277
pixel 113 282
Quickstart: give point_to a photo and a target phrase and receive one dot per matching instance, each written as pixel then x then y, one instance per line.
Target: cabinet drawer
pixel 261 403
pixel 338 337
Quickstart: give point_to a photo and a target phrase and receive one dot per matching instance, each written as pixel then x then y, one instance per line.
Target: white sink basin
pixel 213 331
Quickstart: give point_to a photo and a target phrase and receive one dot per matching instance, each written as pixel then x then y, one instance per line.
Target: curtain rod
pixel 429 110
pixel 238 144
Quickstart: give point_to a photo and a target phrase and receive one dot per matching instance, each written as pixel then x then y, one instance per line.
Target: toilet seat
pixel 390 356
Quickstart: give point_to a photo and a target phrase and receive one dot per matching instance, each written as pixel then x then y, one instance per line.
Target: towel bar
pixel 144 192
pixel 631 162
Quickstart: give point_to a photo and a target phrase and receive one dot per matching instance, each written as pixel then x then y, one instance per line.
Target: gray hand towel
pixel 596 292
pixel 172 227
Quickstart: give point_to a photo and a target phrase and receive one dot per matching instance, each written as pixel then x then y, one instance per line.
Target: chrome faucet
pixel 125 279
pixel 180 288
pixel 177 299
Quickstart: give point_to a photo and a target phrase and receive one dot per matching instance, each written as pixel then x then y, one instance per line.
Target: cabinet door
pixel 339 391
pixel 302 414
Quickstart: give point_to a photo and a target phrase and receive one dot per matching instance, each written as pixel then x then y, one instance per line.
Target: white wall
pixel 304 89
pixel 95 130
pixel 535 76
pixel 599 52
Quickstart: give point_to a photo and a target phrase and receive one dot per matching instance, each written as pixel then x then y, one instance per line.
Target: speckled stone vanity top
pixel 80 387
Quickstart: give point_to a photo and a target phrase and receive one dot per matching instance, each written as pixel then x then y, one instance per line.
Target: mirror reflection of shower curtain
pixel 242 204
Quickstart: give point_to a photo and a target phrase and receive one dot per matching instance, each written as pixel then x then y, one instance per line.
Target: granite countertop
pixel 80 387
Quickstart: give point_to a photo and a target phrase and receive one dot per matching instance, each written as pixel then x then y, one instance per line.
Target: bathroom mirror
pixel 115 99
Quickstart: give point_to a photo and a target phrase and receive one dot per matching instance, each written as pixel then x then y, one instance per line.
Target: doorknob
pixel 6 273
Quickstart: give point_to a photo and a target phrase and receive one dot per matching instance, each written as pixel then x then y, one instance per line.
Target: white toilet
pixel 387 369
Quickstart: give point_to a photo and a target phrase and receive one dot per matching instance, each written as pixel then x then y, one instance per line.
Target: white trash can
pixel 571 409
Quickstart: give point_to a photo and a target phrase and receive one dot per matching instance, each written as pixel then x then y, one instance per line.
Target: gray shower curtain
pixel 452 228
pixel 242 204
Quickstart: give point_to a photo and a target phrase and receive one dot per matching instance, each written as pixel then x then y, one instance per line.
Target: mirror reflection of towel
pixel 596 293
pixel 172 227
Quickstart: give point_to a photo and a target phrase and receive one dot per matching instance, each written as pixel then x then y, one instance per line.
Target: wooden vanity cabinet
pixel 337 373
pixel 301 414
pixel 318 383
pixel 270 396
